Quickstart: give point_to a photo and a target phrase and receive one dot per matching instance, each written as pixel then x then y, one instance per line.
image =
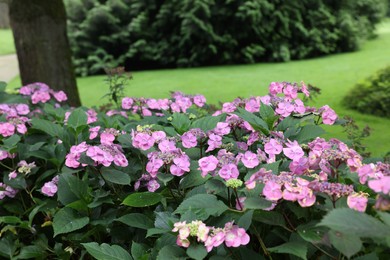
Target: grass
pixel 334 74
pixel 6 42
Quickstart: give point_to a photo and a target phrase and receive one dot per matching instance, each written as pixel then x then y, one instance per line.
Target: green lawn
pixel 334 74
pixel 6 42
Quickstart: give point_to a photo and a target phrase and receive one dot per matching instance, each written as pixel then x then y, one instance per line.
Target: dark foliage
pixel 372 96
pixel 147 34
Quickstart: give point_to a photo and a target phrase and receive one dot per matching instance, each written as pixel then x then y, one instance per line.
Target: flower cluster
pixel 146 106
pixel 42 93
pixel 7 191
pixel 105 153
pixel 231 235
pixel 50 188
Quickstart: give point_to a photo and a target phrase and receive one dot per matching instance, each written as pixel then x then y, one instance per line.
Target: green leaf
pixel 348 245
pixel 208 123
pixel 142 199
pixel 11 141
pixel 115 176
pixel 106 251
pixel 203 205
pixel 77 119
pixel 385 217
pixel 311 232
pixel 137 220
pixel 269 217
pixel 28 252
pixel 71 188
pixel 180 122
pixel 351 222
pixel 10 220
pixel 67 220
pixel 294 248
pixel 196 251
pixel 48 127
pixel 256 122
pixel 257 203
pixel 138 251
pixel 308 133
pixel 194 178
pixel 171 252
pixel 268 114
pixel 246 220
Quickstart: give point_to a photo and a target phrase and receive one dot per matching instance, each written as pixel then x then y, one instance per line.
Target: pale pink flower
pixel 380 185
pixel 357 201
pixel 222 128
pixel 273 147
pixel 143 141
pixel 127 103
pixel 236 237
pixel 252 105
pixel 284 109
pixel 272 191
pixel 49 189
pixel 199 100
pixel 329 116
pixel 229 171
pixel 215 141
pixel 250 160
pixel 293 151
pixel 60 96
pixel 189 140
pixel 208 164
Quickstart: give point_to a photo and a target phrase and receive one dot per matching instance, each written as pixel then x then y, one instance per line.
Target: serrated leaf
pixel 311 232
pixel 197 252
pixel 180 122
pixel 203 205
pixel 28 252
pixel 106 251
pixel 294 248
pixel 77 118
pixel 67 220
pixel 246 220
pixel 348 245
pixel 11 142
pixel 115 176
pixel 137 220
pixel 257 203
pixel 171 252
pixel 194 178
pixel 138 251
pixel 208 123
pixel 142 199
pixel 48 127
pixel 348 221
pixel 256 122
pixel 269 217
pixel 71 188
pixel 308 133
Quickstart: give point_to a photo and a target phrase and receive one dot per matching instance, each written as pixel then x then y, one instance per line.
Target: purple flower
pixel 208 164
pixel 293 151
pixel 250 160
pixel 229 171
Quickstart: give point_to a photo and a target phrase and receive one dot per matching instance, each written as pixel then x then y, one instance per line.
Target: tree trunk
pixel 39 29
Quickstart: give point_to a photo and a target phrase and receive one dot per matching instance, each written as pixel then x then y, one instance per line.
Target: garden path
pixel 8 67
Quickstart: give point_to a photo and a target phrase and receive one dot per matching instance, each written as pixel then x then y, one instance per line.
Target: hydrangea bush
pixel 168 179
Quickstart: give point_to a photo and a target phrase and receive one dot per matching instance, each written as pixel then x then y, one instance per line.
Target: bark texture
pixel 39 29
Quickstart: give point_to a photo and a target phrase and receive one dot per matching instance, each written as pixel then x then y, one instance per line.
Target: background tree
pixel 39 29
pixel 4 20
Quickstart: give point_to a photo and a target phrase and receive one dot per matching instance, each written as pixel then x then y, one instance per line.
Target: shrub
pixel 163 179
pixel 187 33
pixel 371 96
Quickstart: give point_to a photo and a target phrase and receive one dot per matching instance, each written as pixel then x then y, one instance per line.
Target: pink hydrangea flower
pixel 250 160
pixel 127 103
pixel 189 140
pixel 357 201
pixel 143 141
pixel 380 185
pixel 293 151
pixel 252 105
pixel 273 147
pixel 272 191
pixel 7 129
pixel 60 96
pixel 284 109
pixel 229 171
pixel 199 100
pixel 208 164
pixel 214 142
pixel 236 237
pixel 40 97
pixel 222 128
pixel 167 146
pixel 328 115
pixel 275 88
pixel 49 189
